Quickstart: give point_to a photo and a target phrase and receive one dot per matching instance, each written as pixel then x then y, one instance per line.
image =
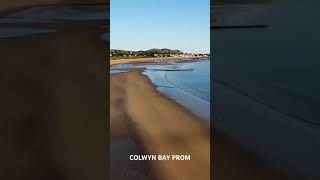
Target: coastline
pixel 150 60
pixel 147 118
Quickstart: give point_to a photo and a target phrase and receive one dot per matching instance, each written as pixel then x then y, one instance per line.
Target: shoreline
pixel 193 103
pixel 152 60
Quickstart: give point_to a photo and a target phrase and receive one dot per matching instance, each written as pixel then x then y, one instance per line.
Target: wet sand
pixel 146 122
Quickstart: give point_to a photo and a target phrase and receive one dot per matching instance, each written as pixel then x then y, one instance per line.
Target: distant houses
pixel 154 53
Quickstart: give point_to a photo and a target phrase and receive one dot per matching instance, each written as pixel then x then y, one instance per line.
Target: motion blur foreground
pixel 266 87
pixel 53 96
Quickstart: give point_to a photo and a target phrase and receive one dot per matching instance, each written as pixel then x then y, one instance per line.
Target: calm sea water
pixel 196 82
pixel 190 88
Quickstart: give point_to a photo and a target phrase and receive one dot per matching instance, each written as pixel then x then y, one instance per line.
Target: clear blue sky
pixel 174 24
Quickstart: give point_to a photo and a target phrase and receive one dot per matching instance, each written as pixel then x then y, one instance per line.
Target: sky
pixel 147 24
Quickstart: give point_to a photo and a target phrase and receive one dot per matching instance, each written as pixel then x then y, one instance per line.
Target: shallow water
pixel 196 82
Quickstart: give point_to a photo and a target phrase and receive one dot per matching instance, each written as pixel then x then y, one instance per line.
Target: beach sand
pixel 159 126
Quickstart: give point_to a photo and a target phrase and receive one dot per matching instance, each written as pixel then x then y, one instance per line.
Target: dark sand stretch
pixel 51 102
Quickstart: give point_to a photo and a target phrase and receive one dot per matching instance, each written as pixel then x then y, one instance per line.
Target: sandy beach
pixel 147 60
pixel 159 126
